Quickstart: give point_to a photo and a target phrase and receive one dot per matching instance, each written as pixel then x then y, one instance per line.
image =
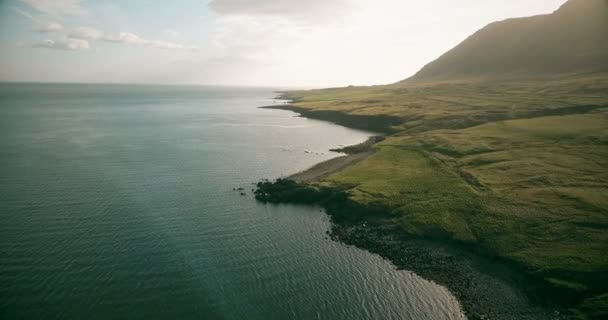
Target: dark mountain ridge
pixel 573 39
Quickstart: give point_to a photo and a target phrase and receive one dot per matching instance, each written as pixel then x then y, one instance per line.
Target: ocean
pixel 118 202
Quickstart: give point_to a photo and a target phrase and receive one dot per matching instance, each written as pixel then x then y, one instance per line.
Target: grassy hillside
pixel 459 104
pixel 501 143
pixel 533 190
pixel 571 40
pixel 517 168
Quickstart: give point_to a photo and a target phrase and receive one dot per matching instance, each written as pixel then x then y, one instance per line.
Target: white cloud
pixel 57 7
pixel 63 44
pixel 268 42
pixel 124 37
pixel 253 37
pixel 128 38
pixel 51 27
pixel 171 33
pixel 133 39
pixel 85 33
pixel 167 45
pixel 305 10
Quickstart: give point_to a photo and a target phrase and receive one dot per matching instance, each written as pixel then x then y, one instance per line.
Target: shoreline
pixel 354 154
pixel 328 167
pixel 376 123
pixel 486 287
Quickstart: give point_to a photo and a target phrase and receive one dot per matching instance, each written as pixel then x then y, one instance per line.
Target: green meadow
pixel 518 169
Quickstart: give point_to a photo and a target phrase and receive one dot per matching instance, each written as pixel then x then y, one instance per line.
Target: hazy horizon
pixel 234 43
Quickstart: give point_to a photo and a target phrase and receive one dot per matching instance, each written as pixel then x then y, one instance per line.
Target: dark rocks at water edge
pixel 361 147
pixel 289 191
pixel 241 191
pixel 375 123
pixel 335 202
pixel 486 287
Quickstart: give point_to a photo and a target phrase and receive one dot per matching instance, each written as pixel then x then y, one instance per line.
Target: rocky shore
pixel 487 288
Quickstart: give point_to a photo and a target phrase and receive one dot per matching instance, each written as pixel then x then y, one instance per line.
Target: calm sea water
pixel 116 202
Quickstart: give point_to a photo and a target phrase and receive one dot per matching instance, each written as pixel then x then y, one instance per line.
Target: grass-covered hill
pixel 501 143
pixel 571 40
pixel 420 107
pixel 517 168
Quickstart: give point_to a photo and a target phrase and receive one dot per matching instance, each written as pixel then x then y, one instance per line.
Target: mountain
pixel 573 39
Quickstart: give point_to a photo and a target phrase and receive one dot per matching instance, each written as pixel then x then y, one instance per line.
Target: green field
pixel 518 168
pixel 461 104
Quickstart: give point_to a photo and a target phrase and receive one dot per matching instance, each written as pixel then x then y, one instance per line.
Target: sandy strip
pixel 329 167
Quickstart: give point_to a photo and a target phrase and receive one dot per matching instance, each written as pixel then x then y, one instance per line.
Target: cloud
pixel 57 7
pixel 80 37
pixel 248 36
pixel 280 38
pixel 171 33
pixel 51 27
pixel 263 32
pixel 63 44
pixel 124 37
pixel 133 39
pixel 128 38
pixel 85 33
pixel 167 45
pixel 25 14
pixel 311 10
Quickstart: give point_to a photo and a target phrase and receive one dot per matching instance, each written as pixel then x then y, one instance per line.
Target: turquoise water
pixel 117 202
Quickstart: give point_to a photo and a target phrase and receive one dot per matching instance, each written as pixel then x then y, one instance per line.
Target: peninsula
pixel 498 150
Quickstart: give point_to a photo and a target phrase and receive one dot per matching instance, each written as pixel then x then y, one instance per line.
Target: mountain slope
pixel 573 39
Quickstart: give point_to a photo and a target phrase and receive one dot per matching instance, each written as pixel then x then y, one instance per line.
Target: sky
pixel 287 43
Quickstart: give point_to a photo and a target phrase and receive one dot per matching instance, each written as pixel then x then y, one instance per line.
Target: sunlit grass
pixel 519 168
